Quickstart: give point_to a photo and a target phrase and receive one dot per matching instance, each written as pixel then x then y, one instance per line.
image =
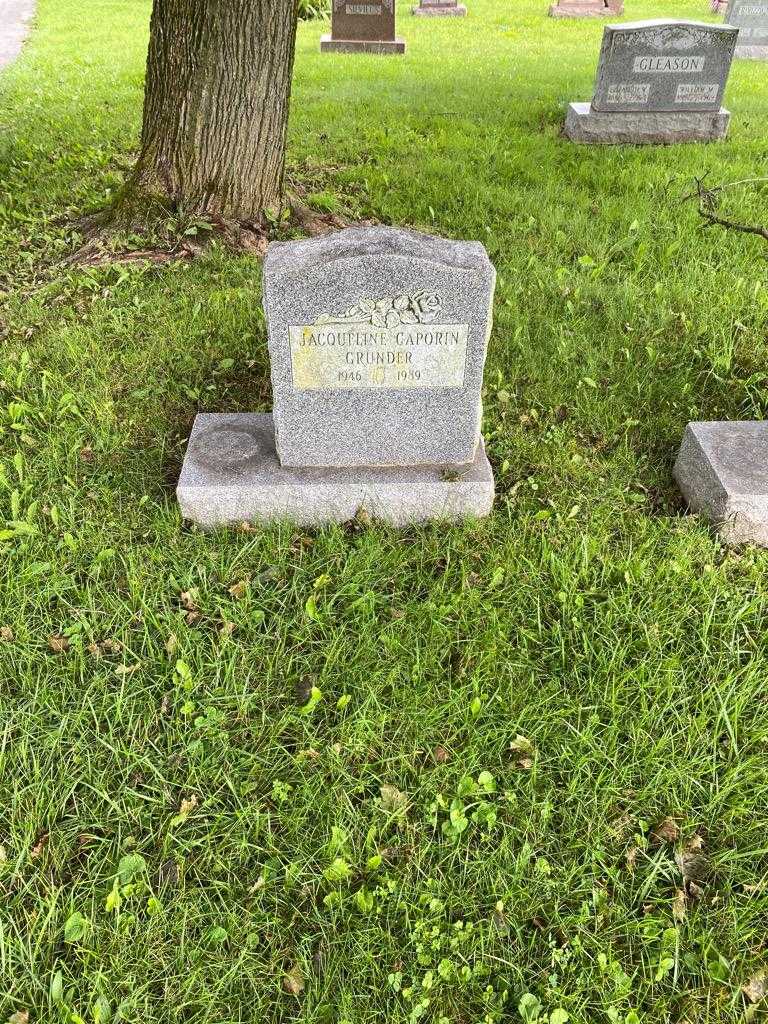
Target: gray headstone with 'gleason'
pixel 377 339
pixel 751 19
pixel 658 81
pixel 669 66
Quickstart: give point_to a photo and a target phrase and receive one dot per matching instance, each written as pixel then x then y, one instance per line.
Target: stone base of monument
pixel 231 474
pixel 722 471
pixel 330 45
pixel 440 11
pixel 581 10
pixel 653 128
pixel 751 52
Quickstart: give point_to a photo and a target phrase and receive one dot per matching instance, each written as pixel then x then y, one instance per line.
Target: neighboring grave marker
pixel 439 9
pixel 377 340
pixel 722 471
pixel 751 19
pixel 362 26
pixel 586 8
pixel 657 82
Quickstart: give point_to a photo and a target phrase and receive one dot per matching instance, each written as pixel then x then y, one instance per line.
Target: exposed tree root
pixel 170 239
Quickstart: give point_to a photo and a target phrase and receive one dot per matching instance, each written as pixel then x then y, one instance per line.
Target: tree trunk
pixel 216 107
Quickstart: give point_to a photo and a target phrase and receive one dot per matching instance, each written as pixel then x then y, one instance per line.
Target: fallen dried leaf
pixel 666 831
pixel 441 755
pixel 189 599
pixel 94 650
pixel 6 633
pixel 171 643
pixel 187 806
pixel 20 1017
pixel 694 866
pixel 631 858
pixel 680 906
pixel 39 846
pixel 393 800
pixel 86 454
pixel 126 670
pixel 227 629
pixel 522 745
pixel 58 644
pixel 239 590
pixel 756 988
pixel 293 982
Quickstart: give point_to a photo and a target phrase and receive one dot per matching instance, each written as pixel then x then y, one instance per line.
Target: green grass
pixel 587 615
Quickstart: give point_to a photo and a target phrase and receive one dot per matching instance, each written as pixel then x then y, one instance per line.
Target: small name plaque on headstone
pixel 663 66
pixel 340 355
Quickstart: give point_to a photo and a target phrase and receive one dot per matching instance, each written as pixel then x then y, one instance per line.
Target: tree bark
pixel 216 107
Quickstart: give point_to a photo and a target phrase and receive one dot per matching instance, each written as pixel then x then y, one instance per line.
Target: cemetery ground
pixel 508 770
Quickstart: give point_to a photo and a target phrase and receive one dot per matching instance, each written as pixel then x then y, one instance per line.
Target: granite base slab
pixel 436 11
pixel 231 474
pixel 722 471
pixel 751 52
pixel 580 11
pixel 330 45
pixel 651 128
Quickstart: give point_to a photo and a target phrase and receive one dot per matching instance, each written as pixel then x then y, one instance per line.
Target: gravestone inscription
pixel 751 19
pixel 362 26
pixel 586 8
pixel 657 82
pixel 377 340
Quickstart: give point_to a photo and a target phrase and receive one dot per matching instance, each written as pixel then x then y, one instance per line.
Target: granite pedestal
pixel 442 10
pixel 330 45
pixel 232 474
pixel 659 128
pixel 722 471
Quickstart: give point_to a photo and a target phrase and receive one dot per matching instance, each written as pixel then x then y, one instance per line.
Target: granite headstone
pixel 362 26
pixel 439 9
pixel 751 19
pixel 377 340
pixel 657 82
pixel 722 471
pixel 586 8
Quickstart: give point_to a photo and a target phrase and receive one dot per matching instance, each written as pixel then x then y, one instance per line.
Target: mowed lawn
pixel 512 770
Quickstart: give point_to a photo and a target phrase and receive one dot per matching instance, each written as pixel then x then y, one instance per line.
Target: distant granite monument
pixel 439 9
pixel 377 340
pixel 658 82
pixel 586 8
pixel 751 19
pixel 362 26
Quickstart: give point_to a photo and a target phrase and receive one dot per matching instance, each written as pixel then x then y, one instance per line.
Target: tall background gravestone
pixel 751 19
pixel 362 26
pixel 377 340
pixel 658 82
pixel 586 8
